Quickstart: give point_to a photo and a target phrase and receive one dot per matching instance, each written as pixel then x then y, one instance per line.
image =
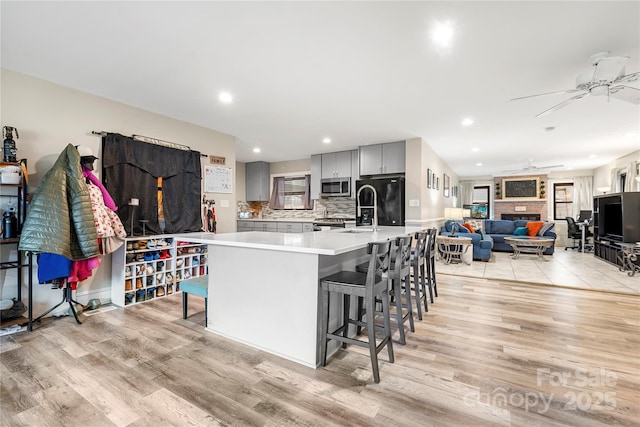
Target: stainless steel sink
pixel 358 230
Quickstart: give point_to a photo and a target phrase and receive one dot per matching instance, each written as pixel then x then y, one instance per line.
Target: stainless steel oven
pixel 328 223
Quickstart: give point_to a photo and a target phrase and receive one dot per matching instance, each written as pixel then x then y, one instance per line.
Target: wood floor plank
pixel 488 352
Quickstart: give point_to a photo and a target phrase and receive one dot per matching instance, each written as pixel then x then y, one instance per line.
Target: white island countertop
pixel 330 242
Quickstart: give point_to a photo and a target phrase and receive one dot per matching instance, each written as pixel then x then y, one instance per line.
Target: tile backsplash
pixel 336 207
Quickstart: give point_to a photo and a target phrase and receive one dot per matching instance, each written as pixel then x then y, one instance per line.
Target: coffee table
pixel 529 244
pixel 454 249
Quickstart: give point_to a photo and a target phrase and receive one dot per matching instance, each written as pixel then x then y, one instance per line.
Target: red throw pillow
pixel 534 227
pixel 469 227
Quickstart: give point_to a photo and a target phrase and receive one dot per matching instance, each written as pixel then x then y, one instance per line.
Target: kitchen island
pixel 264 286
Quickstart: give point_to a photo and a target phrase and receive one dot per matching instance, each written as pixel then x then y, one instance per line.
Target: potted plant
pixel 498 192
pixel 542 192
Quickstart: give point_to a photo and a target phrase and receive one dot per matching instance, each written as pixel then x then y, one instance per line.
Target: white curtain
pixel 466 192
pixel 630 183
pixel 582 194
pixel 615 187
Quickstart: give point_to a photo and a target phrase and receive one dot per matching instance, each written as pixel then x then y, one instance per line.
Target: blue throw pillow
pixel 520 231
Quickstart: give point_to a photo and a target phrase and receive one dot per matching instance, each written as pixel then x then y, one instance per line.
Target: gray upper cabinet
pixel 316 173
pixel 257 181
pixel 380 159
pixel 336 165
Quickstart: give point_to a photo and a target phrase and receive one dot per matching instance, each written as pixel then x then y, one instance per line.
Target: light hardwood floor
pixel 487 353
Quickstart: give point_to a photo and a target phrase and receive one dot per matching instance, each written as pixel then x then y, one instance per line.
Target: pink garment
pixel 108 201
pixel 82 270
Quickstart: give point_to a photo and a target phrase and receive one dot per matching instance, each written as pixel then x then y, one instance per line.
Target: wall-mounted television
pixel 612 219
pixel 478 211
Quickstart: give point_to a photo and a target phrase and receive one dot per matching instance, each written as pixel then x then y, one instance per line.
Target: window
pixel 562 200
pixel 623 179
pixel 294 192
pixel 291 192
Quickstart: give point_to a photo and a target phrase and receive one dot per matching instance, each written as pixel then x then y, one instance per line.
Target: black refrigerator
pixel 390 201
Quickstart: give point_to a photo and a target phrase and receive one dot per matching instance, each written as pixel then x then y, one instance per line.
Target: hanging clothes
pixel 59 219
pixel 110 230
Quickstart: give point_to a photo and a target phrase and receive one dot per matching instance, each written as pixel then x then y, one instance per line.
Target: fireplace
pixel 528 217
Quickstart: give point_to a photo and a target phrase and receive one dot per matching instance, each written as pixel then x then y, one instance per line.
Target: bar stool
pixel 431 263
pixel 418 255
pixel 369 285
pixel 400 280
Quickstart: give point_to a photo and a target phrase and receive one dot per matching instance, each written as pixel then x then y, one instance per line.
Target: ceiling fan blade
pixel 548 93
pixel 628 78
pixel 561 105
pixel 550 167
pixel 625 93
pixel 609 69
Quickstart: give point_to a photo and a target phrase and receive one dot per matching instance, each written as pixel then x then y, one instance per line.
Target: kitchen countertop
pixel 330 242
pixel 278 219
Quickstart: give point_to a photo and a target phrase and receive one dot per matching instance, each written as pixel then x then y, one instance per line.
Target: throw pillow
pixel 521 231
pixel 469 227
pixel 547 226
pixel 534 227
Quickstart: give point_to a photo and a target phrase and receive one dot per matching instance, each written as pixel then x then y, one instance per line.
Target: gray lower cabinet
pixel 257 181
pixel 245 226
pixel 290 227
pixel 377 159
pixel 266 226
pixel 278 226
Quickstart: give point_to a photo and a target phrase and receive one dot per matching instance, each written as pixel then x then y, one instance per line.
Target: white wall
pixel 50 116
pixel 602 175
pixel 421 157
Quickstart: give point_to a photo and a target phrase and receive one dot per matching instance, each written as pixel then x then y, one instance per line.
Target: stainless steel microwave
pixel 335 187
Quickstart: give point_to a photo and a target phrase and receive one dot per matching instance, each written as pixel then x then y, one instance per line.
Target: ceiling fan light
pixel 600 90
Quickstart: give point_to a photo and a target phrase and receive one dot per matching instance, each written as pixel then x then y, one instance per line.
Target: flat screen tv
pixel 613 219
pixel 478 211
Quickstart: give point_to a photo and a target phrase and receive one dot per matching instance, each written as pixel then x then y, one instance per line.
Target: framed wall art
pixel 446 185
pixel 429 178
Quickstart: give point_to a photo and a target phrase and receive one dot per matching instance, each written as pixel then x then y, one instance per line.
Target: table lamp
pixel 455 214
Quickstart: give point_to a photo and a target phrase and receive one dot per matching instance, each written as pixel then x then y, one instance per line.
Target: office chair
pixel 574 233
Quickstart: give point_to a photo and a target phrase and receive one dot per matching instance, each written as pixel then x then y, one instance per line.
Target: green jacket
pixel 59 219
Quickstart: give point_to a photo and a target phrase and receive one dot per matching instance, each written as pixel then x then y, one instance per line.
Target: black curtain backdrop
pixel 131 171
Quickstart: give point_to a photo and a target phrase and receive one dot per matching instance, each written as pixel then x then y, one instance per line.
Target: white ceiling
pixel 357 72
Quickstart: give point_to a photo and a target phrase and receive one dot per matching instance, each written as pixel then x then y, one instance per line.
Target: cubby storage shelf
pixel 150 267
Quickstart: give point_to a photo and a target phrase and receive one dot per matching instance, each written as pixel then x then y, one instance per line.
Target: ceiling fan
pixel 604 77
pixel 533 169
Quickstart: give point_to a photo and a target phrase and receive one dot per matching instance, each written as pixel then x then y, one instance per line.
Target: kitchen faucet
pixel 375 204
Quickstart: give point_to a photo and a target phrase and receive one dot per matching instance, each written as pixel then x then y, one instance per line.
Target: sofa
pixel 482 243
pixel 491 236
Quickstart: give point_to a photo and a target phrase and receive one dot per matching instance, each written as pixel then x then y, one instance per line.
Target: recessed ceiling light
pixel 478 164
pixel 225 97
pixel 327 140
pixel 256 150
pixel 630 135
pixel 475 149
pixel 442 34
pixel 592 156
pixel 467 121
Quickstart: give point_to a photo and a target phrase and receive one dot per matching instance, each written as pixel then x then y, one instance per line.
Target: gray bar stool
pixel 401 281
pixel 418 273
pixel 374 283
pixel 431 263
